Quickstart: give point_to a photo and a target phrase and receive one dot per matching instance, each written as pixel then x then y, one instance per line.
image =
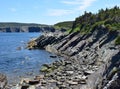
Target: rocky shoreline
pixel 90 55
pixel 90 61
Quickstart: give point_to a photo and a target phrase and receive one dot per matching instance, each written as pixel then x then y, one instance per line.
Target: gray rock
pixel 3 81
pixel 72 82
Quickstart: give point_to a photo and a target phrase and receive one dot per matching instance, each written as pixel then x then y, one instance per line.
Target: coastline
pixel 70 71
pixel 79 71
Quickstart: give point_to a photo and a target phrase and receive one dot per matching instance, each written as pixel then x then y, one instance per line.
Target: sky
pixel 49 11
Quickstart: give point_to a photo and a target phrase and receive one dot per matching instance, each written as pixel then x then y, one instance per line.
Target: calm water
pixel 18 63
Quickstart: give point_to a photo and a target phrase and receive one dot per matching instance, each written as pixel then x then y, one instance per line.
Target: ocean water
pixel 20 63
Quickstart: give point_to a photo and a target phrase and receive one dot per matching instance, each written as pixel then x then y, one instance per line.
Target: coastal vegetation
pixel 117 41
pixel 108 18
pixel 67 25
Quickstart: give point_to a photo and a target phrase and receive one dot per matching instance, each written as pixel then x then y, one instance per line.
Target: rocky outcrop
pixel 45 40
pixel 3 81
pixel 93 59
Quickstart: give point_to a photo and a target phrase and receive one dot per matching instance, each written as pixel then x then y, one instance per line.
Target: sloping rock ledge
pixel 91 61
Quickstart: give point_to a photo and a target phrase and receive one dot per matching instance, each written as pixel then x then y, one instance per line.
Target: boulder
pixel 33 82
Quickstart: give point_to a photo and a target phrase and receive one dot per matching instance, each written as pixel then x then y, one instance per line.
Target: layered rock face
pixel 27 29
pixel 94 58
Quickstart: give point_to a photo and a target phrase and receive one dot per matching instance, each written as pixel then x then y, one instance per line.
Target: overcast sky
pixel 49 11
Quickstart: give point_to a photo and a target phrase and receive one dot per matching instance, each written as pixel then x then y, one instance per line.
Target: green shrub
pixel 76 29
pixel 117 41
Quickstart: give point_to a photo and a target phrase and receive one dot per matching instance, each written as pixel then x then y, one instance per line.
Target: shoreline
pixel 72 72
pixel 78 70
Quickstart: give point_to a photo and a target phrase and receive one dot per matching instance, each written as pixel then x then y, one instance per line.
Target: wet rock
pixel 33 82
pixel 39 77
pixel 24 80
pixel 24 86
pixel 3 81
pixel 52 56
pixel 31 44
pixel 19 48
pixel 44 69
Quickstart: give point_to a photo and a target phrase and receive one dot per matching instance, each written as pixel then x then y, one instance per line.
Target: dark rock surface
pixel 91 61
pixel 27 29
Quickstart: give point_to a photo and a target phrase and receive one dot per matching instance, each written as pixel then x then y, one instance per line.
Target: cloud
pixel 78 5
pixel 75 2
pixel 85 4
pixel 59 12
pixel 13 9
pixel 81 4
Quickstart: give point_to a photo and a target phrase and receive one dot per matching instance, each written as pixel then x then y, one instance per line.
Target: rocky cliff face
pixel 27 29
pixel 91 52
pixel 93 56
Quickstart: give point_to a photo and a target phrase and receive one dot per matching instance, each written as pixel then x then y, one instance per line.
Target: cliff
pixel 90 51
pixel 24 27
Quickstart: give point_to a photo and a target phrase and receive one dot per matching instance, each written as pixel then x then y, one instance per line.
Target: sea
pixel 16 61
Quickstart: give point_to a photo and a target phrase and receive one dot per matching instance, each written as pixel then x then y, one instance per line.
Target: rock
pixel 24 80
pixel 16 87
pixel 46 65
pixel 72 82
pixel 63 86
pixel 3 81
pixel 83 77
pixel 59 83
pixel 68 63
pixel 32 87
pixel 70 72
pixel 25 86
pixel 52 56
pixel 39 77
pixel 88 72
pixel 33 82
pixel 19 48
pixel 31 44
pixel 52 81
pixel 82 82
pixel 44 69
pixel 43 82
pixel 42 87
pixel 56 87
